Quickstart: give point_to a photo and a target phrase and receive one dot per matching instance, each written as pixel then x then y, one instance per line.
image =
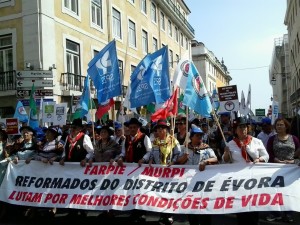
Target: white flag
pixel 243 109
pixel 181 73
pixel 248 103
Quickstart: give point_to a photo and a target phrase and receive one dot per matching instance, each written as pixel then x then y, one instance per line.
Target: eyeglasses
pixel 180 123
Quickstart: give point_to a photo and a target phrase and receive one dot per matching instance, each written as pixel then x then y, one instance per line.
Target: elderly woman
pixel 165 151
pixel 282 148
pixel 245 149
pixel 200 154
pixel 106 148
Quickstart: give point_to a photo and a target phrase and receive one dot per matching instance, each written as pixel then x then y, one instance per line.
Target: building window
pixel 144 6
pixel 95 52
pixel 72 5
pixel 145 41
pixel 176 34
pixel 131 1
pixel 186 44
pixel 117 24
pixel 120 62
pixel 170 28
pixel 132 68
pixel 132 34
pixel 181 39
pixel 6 53
pixel 97 13
pixel 162 21
pixel 73 57
pixel 171 57
pixel 155 45
pixel 153 13
pixel 177 58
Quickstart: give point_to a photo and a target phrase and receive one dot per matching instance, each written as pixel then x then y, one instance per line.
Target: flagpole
pixel 122 89
pixel 92 115
pixel 71 108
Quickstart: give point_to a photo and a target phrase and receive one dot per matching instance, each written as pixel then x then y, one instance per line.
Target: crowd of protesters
pixel 200 142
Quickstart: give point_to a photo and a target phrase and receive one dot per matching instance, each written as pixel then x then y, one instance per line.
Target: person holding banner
pixel 28 146
pixel 137 146
pixel 51 150
pixel 282 148
pixel 78 147
pixel 245 149
pixel 135 149
pixel 106 148
pixel 165 151
pixel 200 154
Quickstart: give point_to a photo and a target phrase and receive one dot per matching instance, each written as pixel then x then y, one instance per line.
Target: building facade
pixel 292 21
pixel 213 72
pixel 62 36
pixel 280 76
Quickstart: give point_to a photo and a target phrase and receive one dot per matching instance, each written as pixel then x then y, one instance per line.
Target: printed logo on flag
pixel 198 86
pixel 22 110
pixel 104 62
pixel 185 67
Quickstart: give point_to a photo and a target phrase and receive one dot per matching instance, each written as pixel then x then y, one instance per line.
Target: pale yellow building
pixel 62 36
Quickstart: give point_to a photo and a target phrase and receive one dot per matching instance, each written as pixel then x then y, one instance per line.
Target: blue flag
pixel 104 71
pixel 150 81
pixel 196 96
pixel 82 107
pixel 20 113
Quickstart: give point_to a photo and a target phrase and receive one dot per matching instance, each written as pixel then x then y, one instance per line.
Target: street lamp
pixel 273 81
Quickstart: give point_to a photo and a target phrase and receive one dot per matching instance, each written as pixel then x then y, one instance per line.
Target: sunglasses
pixel 180 123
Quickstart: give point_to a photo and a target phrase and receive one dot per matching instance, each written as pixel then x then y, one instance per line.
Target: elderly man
pixel 78 147
pixel 136 149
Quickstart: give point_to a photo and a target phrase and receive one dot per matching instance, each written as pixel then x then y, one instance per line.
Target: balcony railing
pixel 8 80
pixel 72 82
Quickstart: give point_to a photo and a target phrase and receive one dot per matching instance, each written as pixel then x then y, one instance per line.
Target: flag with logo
pixel 150 80
pixel 104 107
pixel 196 96
pixel 181 73
pixel 33 118
pixel 104 71
pixel 170 108
pixel 20 113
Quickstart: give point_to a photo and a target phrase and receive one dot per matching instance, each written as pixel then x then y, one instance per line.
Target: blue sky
pixel 242 32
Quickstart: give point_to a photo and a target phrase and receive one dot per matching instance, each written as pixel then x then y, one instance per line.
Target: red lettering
pixel 11 196
pixel 219 203
pixel 277 200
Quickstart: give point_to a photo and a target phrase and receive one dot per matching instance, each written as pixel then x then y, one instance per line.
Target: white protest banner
pixel 48 112
pixel 60 114
pixel 220 189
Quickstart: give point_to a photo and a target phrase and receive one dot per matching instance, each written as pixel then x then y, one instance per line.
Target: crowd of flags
pixel 149 86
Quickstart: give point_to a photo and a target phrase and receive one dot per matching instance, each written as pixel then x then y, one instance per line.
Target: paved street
pixel 15 217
